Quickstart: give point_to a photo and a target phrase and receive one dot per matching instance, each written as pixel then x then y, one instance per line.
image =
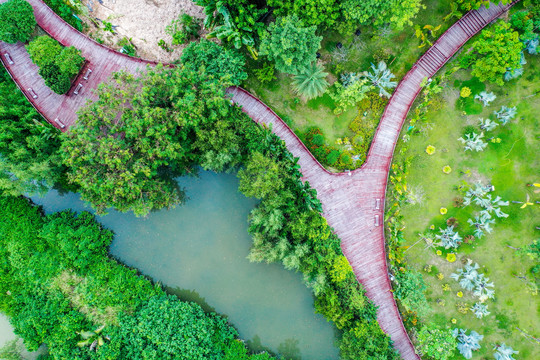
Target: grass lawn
pixel 398 48
pixel 509 166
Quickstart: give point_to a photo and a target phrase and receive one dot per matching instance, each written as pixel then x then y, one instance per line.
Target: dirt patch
pixel 142 21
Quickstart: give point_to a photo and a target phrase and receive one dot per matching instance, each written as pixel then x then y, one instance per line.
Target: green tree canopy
pixel 290 45
pixel 17 21
pixel 496 50
pixel 128 145
pixel 322 13
pixel 226 64
pixel 261 177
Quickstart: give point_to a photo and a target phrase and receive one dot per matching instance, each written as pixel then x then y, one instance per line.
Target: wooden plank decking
pixel 349 199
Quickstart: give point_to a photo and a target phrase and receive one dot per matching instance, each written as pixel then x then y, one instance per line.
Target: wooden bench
pixel 32 93
pixel 377 204
pixel 61 124
pixel 78 89
pixel 8 58
pixel 377 223
pixel 87 75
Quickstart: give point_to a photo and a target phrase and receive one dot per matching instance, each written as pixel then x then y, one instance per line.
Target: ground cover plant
pixel 58 65
pixel 470 231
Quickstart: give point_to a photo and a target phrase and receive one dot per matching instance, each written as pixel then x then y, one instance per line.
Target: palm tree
pixel 506 114
pixel 473 142
pixel 480 310
pixel 449 238
pixel 311 82
pixel 467 343
pixel 487 124
pixel 485 97
pixel 381 78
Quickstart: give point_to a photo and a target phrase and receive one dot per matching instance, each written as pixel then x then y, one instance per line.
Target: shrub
pixel 17 21
pixel 183 29
pixel 332 157
pixel 57 65
pixel 465 92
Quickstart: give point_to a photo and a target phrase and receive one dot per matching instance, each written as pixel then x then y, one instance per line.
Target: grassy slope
pixel 319 112
pixel 509 166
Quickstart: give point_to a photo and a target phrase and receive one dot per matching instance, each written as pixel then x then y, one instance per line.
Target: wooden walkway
pixel 353 202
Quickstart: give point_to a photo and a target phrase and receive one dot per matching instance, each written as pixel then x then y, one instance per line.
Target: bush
pixel 183 29
pixel 57 65
pixel 17 21
pixel 65 11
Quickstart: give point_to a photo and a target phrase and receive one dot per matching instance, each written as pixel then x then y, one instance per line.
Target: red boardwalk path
pixel 353 203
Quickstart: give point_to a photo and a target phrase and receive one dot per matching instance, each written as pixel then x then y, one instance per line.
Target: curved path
pixel 353 202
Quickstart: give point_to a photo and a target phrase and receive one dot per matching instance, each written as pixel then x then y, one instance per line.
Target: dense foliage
pixel 83 305
pixel 66 10
pixel 17 21
pixel 57 65
pixel 496 50
pixel 218 61
pixel 290 45
pixel 183 29
pixel 29 157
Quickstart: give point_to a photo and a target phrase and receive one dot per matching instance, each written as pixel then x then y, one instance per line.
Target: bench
pixel 78 89
pixel 8 58
pixel 87 75
pixel 61 124
pixel 377 204
pixel 32 93
pixel 377 220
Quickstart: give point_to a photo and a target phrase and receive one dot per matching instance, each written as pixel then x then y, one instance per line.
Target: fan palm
pixel 381 77
pixel 311 82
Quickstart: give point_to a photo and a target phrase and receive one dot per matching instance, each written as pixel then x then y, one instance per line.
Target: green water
pixel 198 251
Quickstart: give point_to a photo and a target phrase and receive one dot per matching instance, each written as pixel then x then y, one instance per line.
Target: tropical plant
pixel 480 310
pixel 487 124
pixel 381 78
pixel 350 95
pixel 504 352
pixel 311 82
pixel 470 279
pixel 454 12
pixel 492 205
pixel 449 238
pixel 505 114
pixel 17 21
pixel 290 45
pixel 478 192
pixel 266 73
pixel 349 78
pixel 485 97
pixel 467 343
pixel 481 223
pixel 425 33
pixel 94 339
pixel 183 28
pixel 473 142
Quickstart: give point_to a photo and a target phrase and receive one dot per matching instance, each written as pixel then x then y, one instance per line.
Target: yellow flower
pixel 432 227
pixel 451 257
pixel 447 169
pixel 443 210
pixel 440 276
pixel 460 294
pixel 430 150
pixel 439 252
pixel 454 321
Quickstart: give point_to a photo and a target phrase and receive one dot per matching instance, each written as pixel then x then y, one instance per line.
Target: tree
pixel 188 333
pixel 290 45
pixel 262 177
pixel 17 21
pixel 473 142
pixel 311 82
pixel 435 343
pixel 497 49
pixel 409 289
pixel 44 50
pixel 504 352
pixel 350 95
pixel 467 343
pixel 381 78
pixel 69 61
pixel 323 13
pixel 225 64
pixel 131 142
pixel 29 146
pixel 468 5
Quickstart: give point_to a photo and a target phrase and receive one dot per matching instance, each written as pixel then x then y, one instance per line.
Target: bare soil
pixel 141 21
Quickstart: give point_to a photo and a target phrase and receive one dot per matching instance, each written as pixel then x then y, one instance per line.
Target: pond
pixel 198 251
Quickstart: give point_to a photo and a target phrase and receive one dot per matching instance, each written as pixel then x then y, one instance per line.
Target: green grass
pixel 398 48
pixel 509 166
